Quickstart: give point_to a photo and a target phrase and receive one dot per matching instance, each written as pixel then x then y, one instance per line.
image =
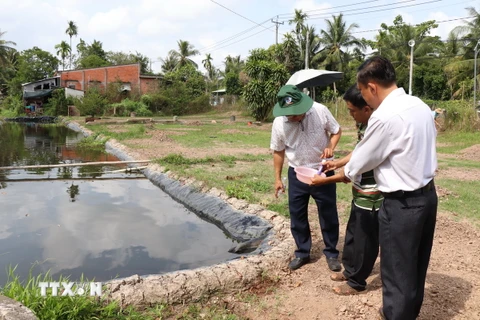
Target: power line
pixel 209 51
pixel 342 6
pixel 441 21
pixel 387 9
pixel 276 29
pixel 238 14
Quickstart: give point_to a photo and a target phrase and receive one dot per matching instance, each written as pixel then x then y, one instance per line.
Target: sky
pixel 218 27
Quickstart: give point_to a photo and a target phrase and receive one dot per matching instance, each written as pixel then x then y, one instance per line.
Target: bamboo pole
pixel 80 164
pixel 72 179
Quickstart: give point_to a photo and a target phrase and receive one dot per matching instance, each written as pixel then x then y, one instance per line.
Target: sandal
pixel 338 276
pixel 346 290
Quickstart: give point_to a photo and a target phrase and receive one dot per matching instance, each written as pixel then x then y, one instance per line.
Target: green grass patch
pixel 92 143
pixel 449 163
pixel 210 135
pixel 78 307
pixel 134 131
pixel 464 200
pixel 456 141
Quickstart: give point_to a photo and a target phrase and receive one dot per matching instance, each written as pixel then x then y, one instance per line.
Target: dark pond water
pixel 88 220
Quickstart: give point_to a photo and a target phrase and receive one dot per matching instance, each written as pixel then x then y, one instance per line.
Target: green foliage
pixel 430 82
pixel 126 106
pixel 134 131
pixel 267 77
pixel 459 115
pixel 57 104
pixel 93 103
pixel 33 64
pixel 239 191
pixel 92 61
pixel 119 58
pixel 232 83
pixel 198 105
pixel 12 106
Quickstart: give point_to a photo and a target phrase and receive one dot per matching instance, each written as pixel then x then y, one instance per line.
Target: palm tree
pixel 72 30
pixel 299 21
pixel 63 50
pixel 185 50
pixel 233 64
pixel 207 64
pixel 337 39
pixel 169 63
pixel 5 48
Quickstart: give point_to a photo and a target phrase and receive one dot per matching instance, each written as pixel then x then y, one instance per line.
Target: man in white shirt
pixel 399 145
pixel 305 131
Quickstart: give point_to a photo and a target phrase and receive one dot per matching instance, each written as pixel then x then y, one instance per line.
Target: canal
pixel 94 221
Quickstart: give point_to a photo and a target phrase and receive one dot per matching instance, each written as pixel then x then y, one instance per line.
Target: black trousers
pixel 361 246
pixel 326 199
pixel 407 226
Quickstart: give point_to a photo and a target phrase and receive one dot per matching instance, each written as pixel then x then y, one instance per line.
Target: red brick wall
pixel 83 79
pixel 148 85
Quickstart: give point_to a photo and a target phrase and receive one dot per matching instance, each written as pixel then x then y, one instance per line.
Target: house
pixel 76 82
pixel 127 75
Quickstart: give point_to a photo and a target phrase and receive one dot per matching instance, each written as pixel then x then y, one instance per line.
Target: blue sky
pixel 152 27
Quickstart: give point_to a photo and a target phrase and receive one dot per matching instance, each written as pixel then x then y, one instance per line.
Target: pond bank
pixel 240 220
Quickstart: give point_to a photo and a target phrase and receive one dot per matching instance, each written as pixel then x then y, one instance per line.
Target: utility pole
pixel 306 51
pixel 475 76
pixel 276 29
pixel 411 43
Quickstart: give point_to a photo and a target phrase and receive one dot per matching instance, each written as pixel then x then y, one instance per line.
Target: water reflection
pixel 89 223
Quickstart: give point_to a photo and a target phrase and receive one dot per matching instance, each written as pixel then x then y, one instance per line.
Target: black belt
pixel 402 194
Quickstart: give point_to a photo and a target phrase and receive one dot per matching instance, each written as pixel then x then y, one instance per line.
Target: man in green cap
pixel 306 132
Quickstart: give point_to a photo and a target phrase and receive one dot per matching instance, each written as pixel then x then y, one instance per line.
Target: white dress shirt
pixel 399 145
pixel 305 141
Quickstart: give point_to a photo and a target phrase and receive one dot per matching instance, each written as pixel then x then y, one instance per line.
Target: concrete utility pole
pixel 475 76
pixel 276 29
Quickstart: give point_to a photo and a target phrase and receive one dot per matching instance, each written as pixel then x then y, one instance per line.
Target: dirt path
pixel 452 290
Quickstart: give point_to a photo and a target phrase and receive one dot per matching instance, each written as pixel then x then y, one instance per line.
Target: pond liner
pixel 236 224
pixel 39 119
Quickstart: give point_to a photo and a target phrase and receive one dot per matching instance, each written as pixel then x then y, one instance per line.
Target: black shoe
pixel 333 264
pixel 298 262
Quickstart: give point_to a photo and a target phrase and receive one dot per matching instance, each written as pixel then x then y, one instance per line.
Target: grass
pixel 78 307
pixel 452 142
pixel 134 131
pixel 464 200
pixel 235 135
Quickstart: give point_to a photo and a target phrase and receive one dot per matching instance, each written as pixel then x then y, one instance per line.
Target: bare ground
pixel 453 281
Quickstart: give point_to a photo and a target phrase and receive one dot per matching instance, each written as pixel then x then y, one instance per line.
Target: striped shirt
pixel 365 192
pixel 305 141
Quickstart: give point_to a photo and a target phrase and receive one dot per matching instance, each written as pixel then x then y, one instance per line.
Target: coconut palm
pixel 337 39
pixel 5 48
pixel 185 51
pixel 207 64
pixel 299 21
pixel 233 64
pixel 169 63
pixel 72 30
pixel 63 50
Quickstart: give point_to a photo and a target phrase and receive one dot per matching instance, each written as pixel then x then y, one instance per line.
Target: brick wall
pixel 148 85
pixel 101 77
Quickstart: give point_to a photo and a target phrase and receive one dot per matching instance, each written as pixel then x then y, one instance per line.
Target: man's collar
pixel 392 95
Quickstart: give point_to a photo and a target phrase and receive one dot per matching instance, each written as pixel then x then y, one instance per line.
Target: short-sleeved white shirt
pixel 305 141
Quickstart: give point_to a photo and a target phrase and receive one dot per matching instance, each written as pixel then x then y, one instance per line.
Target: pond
pixel 93 221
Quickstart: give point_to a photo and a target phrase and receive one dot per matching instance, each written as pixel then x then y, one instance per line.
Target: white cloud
pixel 154 27
pixel 444 28
pixel 113 20
pixel 176 10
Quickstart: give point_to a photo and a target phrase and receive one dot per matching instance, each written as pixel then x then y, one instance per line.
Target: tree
pixel 207 64
pixel 266 78
pixel 233 64
pixel 5 49
pixel 118 58
pixel 93 103
pixel 72 30
pixel 299 21
pixel 392 43
pixel 337 39
pixel 185 51
pixel 63 50
pixel 169 63
pixel 91 55
pixel 33 64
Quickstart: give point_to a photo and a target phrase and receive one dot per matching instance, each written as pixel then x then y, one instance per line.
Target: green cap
pixel 291 102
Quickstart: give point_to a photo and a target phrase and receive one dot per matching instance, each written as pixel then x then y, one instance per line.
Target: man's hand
pixel 318 180
pixel 327 153
pixel 279 187
pixel 330 165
